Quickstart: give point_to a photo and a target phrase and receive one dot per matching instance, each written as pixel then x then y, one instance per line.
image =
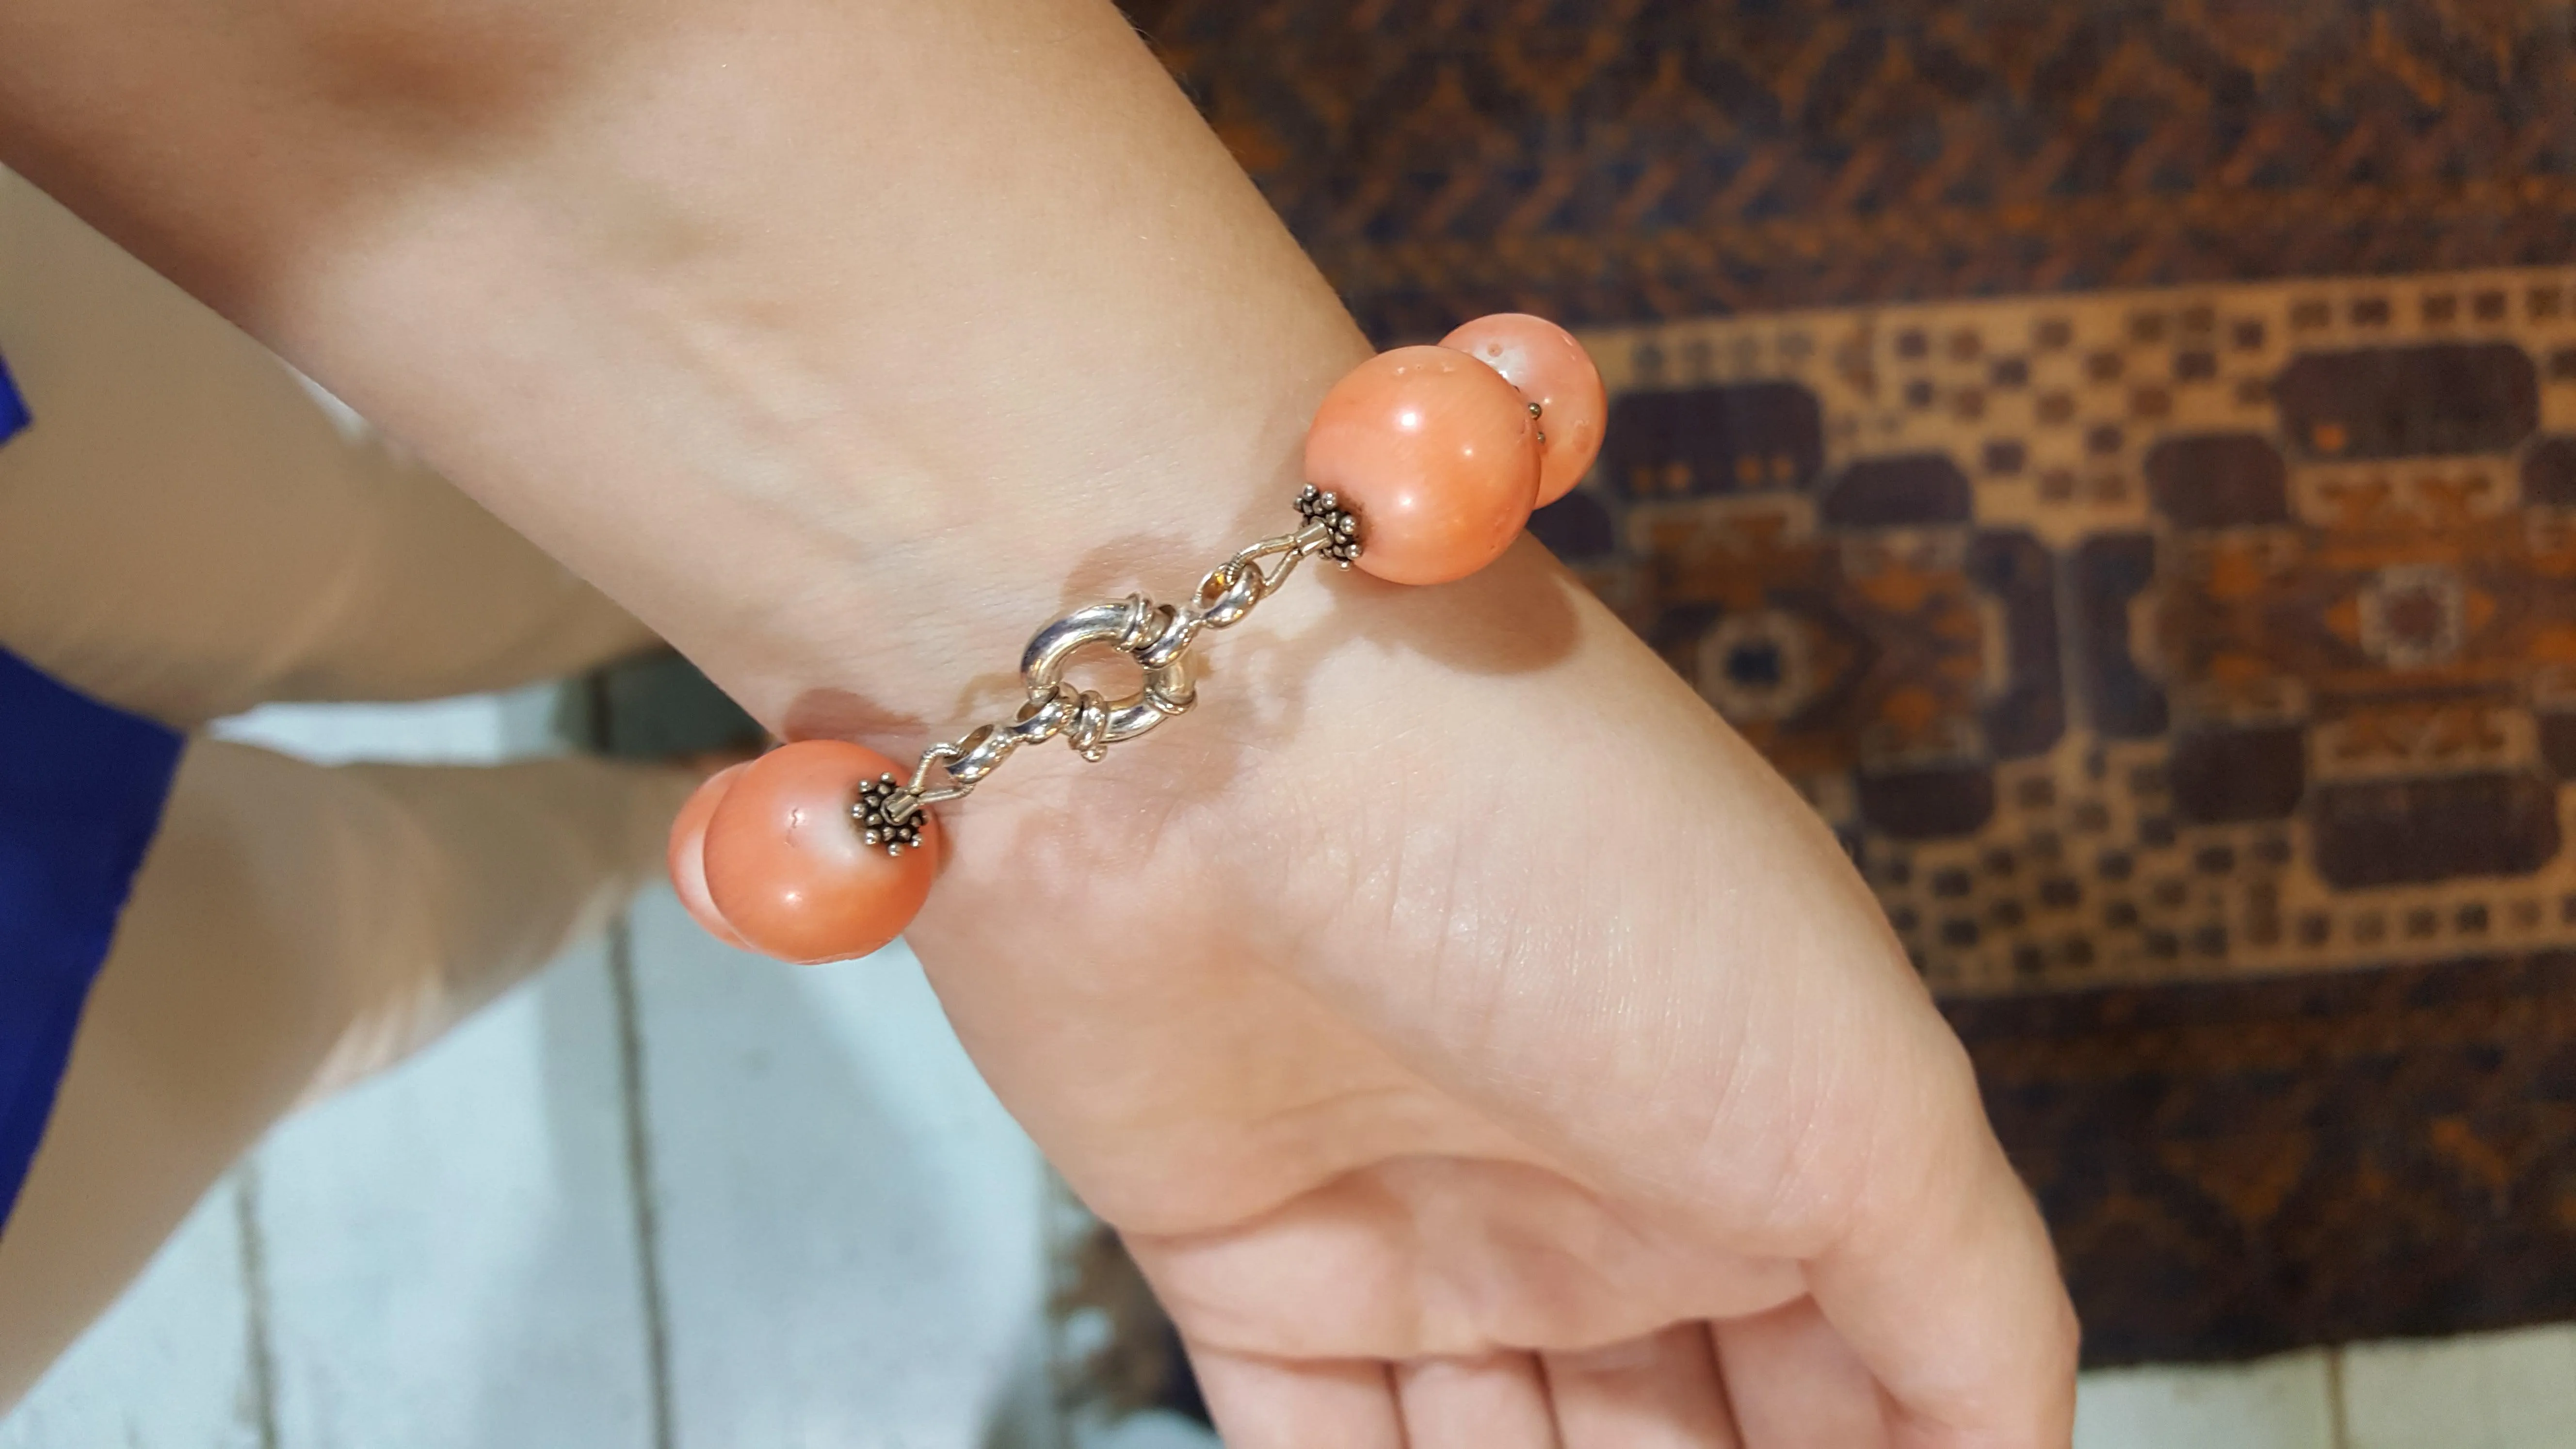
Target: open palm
pixel 1475 1044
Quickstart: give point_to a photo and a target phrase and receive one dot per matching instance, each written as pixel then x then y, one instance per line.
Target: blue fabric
pixel 81 790
pixel 13 408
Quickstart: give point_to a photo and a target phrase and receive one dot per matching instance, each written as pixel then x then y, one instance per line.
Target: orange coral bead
pixel 1435 452
pixel 788 868
pixel 687 856
pixel 1551 369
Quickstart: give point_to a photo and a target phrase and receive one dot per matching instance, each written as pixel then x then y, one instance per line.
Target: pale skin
pixel 1475 1041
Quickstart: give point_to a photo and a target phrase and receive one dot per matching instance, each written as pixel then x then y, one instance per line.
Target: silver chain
pixel 1157 636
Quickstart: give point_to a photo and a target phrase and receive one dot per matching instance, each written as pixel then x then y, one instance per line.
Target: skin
pixel 1475 1041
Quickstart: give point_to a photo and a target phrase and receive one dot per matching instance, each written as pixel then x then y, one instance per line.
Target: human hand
pixel 1476 1045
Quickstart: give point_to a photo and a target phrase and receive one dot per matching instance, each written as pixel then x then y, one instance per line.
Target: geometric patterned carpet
pixel 2119 460
pixel 2132 636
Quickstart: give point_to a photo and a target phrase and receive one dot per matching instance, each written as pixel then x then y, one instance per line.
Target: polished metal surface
pixel 1157 636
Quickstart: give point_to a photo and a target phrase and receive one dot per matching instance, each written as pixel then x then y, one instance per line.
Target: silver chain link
pixel 1157 636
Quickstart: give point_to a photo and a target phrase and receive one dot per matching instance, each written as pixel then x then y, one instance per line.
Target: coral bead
pixel 687 857
pixel 786 864
pixel 1551 369
pixel 1435 452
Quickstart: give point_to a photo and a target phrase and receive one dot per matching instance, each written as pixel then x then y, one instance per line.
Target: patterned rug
pixel 2120 461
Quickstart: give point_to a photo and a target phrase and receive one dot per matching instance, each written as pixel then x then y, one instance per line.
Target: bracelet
pixel 1422 465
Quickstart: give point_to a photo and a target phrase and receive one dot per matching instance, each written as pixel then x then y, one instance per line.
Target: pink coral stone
pixel 1435 452
pixel 789 869
pixel 687 857
pixel 1551 369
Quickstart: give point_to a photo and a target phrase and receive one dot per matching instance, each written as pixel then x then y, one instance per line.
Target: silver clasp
pixel 1130 628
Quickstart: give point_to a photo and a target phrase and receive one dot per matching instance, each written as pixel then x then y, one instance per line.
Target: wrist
pixel 945 567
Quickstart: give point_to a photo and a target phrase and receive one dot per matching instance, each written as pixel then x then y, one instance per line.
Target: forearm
pixel 837 340
pixel 847 344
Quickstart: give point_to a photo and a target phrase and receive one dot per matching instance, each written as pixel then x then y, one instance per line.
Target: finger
pixel 1794 1383
pixel 1950 1292
pixel 1498 1401
pixel 1658 1392
pixel 1263 1403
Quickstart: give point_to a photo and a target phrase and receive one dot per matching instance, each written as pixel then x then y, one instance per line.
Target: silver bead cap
pixel 875 826
pixel 1317 506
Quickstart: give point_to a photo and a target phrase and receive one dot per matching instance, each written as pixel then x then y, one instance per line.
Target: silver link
pixel 1178 632
pixel 1229 591
pixel 918 793
pixel 983 748
pixel 1090 726
pixel 1043 718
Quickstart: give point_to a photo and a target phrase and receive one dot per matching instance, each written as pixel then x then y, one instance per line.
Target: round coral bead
pixel 1551 369
pixel 687 857
pixel 1435 452
pixel 788 868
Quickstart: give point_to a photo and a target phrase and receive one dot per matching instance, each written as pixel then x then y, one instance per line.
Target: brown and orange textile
pixel 2120 461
